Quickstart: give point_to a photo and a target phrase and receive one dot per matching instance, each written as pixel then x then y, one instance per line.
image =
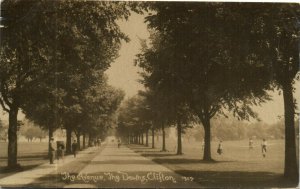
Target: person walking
pixel 99 141
pixel 74 148
pixel 264 147
pixel 119 143
pixel 220 148
pixel 250 144
pixel 51 150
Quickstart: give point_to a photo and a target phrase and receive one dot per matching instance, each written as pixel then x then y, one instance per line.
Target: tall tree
pixel 21 58
pixel 229 55
pixel 272 37
pixel 167 99
pixel 57 37
pixel 157 112
pixel 206 74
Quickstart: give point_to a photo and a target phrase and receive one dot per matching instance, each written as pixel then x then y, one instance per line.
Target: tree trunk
pixel 83 140
pixel 179 144
pixel 207 152
pixel 132 139
pixel 50 134
pixel 140 139
pixel 163 137
pixel 142 135
pixel 147 144
pixel 290 163
pixel 153 138
pixel 13 139
pixel 78 141
pixel 89 140
pixel 68 141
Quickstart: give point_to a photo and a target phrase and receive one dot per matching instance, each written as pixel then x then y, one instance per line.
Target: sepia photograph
pixel 149 94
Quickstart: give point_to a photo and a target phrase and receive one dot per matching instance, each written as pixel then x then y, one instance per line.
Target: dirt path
pixel 122 167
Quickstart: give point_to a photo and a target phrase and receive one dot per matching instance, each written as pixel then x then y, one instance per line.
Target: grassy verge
pixel 237 167
pixel 30 155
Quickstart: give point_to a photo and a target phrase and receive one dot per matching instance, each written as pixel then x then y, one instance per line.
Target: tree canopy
pixel 224 56
pixel 54 48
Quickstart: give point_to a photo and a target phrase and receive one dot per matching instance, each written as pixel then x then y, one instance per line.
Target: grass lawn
pixel 236 167
pixel 30 155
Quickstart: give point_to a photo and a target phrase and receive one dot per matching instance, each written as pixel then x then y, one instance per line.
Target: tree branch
pixel 213 111
pixel 3 106
pixel 3 91
pixel 201 116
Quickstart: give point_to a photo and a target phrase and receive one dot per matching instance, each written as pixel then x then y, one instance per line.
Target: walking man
pixel 51 150
pixel 220 148
pixel 119 143
pixel 264 147
pixel 74 148
pixel 250 144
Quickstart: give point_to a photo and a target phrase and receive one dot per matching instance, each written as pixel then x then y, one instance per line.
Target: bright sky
pixel 123 74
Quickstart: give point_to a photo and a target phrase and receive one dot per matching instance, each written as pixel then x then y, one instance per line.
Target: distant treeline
pixel 230 129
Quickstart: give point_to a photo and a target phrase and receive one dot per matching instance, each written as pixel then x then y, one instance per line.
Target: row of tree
pixel 134 125
pixel 32 132
pixel 209 59
pixel 3 131
pixel 53 58
pixel 232 129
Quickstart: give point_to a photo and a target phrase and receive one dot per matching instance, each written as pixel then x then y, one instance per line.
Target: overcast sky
pixel 123 74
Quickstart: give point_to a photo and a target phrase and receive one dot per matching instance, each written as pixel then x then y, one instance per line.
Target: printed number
pixel 187 178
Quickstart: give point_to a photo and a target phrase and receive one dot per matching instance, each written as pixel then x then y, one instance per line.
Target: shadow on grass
pixel 125 155
pixel 161 154
pixel 30 157
pixel 5 172
pixel 185 161
pixel 144 151
pixel 141 148
pixel 238 179
pixel 26 162
pixel 122 162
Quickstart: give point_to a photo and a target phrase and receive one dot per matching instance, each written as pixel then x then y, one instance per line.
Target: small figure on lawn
pixel 51 150
pixel 119 143
pixel 74 148
pixel 250 144
pixel 264 147
pixel 220 148
pixel 99 142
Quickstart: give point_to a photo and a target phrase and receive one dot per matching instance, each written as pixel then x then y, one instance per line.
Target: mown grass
pixel 30 155
pixel 236 167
